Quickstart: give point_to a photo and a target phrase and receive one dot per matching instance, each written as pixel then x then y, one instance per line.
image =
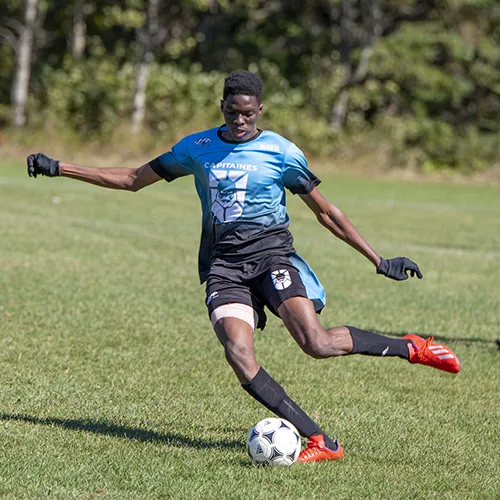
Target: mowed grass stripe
pixel 113 383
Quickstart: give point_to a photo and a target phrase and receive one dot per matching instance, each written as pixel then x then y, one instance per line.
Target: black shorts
pixel 268 282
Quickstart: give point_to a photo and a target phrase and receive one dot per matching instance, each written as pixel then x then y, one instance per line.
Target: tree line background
pixel 418 78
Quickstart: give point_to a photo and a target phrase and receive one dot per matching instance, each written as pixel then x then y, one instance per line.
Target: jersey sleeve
pixel 296 174
pixel 173 164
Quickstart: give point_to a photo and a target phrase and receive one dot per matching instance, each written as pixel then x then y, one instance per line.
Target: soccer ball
pixel 273 441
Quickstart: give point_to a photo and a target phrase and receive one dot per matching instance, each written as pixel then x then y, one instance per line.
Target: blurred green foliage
pixel 431 92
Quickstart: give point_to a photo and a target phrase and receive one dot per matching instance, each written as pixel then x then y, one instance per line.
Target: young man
pixel 246 255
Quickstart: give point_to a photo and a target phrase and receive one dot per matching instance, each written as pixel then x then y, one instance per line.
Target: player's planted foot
pixel 316 450
pixel 427 352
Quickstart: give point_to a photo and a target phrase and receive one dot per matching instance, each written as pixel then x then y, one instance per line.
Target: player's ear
pixel 261 107
pixel 222 104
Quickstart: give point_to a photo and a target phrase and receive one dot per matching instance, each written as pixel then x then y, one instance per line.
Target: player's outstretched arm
pixel 130 179
pixel 337 223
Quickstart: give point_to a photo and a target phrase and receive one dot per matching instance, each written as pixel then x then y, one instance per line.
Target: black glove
pixel 396 268
pixel 43 165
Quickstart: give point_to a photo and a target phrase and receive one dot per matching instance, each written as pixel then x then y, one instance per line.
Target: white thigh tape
pixel 240 311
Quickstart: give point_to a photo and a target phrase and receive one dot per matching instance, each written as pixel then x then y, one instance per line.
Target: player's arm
pixel 338 224
pixel 129 179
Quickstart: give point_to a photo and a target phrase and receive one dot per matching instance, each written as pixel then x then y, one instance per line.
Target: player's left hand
pixel 398 268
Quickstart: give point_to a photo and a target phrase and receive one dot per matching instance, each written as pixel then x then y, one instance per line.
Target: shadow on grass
pixel 440 338
pixel 122 431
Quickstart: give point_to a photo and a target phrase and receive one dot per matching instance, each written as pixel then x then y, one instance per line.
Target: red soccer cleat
pixel 426 352
pixel 317 451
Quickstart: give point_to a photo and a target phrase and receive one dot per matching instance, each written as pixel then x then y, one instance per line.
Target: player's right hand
pixel 39 164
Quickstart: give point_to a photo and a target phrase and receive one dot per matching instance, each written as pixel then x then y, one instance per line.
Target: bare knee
pixel 300 318
pixel 236 336
pixel 320 343
pixel 242 360
pixel 316 345
pixel 238 353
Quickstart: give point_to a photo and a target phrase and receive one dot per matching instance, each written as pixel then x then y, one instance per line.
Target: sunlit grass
pixel 113 383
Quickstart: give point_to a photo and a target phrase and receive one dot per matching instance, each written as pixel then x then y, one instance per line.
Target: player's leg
pixel 233 312
pixel 236 335
pixel 301 320
pixel 286 288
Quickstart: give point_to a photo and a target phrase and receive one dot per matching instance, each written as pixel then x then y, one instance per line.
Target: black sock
pixel 373 344
pixel 268 392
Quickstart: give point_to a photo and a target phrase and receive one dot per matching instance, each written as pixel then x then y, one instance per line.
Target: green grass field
pixel 113 384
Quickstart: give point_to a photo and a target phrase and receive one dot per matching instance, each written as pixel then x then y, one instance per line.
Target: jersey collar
pixel 223 127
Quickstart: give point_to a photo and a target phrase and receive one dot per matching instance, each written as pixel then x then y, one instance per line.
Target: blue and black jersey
pixel 241 186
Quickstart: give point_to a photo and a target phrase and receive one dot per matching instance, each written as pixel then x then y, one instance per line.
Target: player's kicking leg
pixel 301 320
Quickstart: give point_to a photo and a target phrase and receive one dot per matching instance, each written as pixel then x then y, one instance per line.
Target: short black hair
pixel 243 83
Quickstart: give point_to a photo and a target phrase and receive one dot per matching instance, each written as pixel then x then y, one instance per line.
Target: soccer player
pixel 246 256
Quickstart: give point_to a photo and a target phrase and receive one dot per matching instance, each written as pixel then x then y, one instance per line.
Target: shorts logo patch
pixel 212 296
pixel 281 279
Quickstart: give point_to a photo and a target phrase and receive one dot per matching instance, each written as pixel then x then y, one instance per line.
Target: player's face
pixel 240 114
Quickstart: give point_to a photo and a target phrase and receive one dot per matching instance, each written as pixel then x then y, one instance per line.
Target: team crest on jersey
pixel 203 141
pixel 228 189
pixel 281 279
